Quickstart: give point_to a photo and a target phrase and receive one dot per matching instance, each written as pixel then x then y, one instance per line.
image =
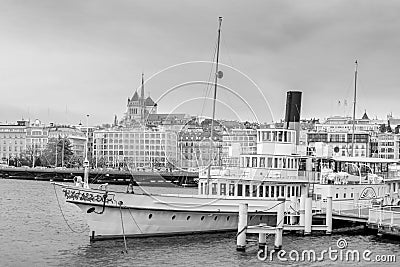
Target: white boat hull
pixel 141 215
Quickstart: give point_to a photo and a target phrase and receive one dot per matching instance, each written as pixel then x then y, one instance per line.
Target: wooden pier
pixel 100 176
pixel 386 220
pixel 299 217
pixel 287 219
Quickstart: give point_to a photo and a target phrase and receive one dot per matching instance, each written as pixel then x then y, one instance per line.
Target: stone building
pixel 139 107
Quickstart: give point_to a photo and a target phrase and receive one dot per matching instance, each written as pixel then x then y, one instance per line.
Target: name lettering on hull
pixel 71 194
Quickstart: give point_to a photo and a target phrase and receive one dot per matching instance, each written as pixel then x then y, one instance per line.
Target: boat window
pixel 289 134
pixel 261 191
pixel 298 191
pixel 280 163
pixel 285 136
pixel 284 163
pixel 248 162
pixel 344 195
pixel 254 161
pixel 294 190
pixel 262 162
pixel 267 191
pixel 247 190
pixel 278 190
pixel 269 162
pixel 254 193
pixel 201 188
pixel 274 136
pixel 288 191
pixel 240 190
pixel 337 195
pixel 282 191
pixel 231 189
pixel 275 163
pixel 280 135
pixel 222 189
pixel 273 191
pixel 268 136
pixel 214 188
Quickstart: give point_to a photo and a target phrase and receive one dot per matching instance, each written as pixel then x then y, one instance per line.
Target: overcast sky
pixel 63 59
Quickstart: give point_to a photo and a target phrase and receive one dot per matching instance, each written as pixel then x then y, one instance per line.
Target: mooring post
pixel 279 224
pixel 329 215
pixel 242 227
pixel 308 216
pixel 293 210
pixel 262 241
pixel 303 196
pixel 92 237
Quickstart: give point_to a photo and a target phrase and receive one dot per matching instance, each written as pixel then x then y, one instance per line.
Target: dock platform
pixel 385 219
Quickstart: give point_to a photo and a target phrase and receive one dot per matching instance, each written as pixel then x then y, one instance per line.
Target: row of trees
pixel 383 128
pixel 58 153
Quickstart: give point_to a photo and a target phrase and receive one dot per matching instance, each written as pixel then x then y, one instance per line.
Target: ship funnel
pixel 292 115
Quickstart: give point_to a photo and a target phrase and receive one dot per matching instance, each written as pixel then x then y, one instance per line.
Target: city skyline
pixel 65 59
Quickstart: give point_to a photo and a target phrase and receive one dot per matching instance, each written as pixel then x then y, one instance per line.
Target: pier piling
pixel 262 241
pixel 279 224
pixel 329 215
pixel 293 204
pixel 308 216
pixel 242 227
pixel 303 196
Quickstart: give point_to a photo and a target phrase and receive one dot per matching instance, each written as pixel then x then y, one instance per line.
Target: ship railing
pixel 292 176
pixel 345 208
pixel 310 176
pixel 384 216
pixel 389 174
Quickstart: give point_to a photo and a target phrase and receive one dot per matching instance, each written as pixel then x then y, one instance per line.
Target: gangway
pixel 344 210
pixel 385 219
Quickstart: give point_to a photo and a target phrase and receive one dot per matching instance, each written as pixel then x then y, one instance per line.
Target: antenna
pixel 354 108
pixel 218 75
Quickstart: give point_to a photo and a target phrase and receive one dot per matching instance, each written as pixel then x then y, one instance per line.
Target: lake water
pixel 34 233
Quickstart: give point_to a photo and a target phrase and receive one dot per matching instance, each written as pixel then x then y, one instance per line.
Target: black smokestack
pixel 293 107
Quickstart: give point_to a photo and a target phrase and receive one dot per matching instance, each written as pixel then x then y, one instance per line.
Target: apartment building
pixel 134 148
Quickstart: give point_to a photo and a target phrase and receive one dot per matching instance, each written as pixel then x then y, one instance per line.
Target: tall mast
pixel 354 109
pixel 217 75
pixel 86 161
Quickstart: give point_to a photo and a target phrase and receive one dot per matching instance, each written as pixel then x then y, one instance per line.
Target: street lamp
pixel 86 161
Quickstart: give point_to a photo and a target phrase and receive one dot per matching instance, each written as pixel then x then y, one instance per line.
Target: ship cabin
pixel 270 173
pixel 357 178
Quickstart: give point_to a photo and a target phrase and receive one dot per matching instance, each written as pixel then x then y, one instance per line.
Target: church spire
pixel 142 89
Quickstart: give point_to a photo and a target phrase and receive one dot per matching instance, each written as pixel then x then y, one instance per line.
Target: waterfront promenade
pixel 99 176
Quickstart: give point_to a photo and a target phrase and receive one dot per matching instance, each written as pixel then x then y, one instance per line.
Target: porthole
pixel 227 218
pixel 215 218
pixel 173 217
pixel 188 218
pixel 150 215
pixel 202 218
